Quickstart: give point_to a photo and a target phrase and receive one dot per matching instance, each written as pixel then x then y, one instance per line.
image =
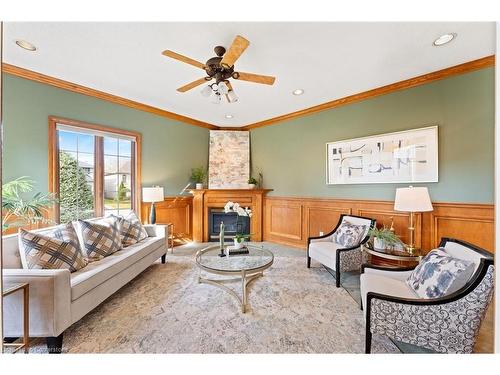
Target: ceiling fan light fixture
pixel 232 97
pixel 206 91
pixel 444 39
pixel 222 88
pixel 216 99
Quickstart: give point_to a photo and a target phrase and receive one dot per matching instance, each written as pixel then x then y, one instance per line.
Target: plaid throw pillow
pixel 57 250
pixel 131 229
pixel 100 238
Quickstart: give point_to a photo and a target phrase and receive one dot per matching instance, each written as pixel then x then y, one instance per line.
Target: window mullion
pixel 99 177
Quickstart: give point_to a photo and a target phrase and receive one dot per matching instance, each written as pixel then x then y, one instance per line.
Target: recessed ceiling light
pixel 298 92
pixel 445 38
pixel 26 45
pixel 229 116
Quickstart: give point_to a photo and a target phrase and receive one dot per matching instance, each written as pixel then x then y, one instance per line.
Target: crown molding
pixel 467 67
pixel 80 89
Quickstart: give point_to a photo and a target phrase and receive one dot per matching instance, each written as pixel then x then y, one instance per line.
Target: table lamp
pixel 412 199
pixel 152 195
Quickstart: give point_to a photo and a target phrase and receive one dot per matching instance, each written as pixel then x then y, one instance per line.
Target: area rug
pixel 292 309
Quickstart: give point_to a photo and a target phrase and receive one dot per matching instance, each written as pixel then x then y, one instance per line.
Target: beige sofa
pixel 59 298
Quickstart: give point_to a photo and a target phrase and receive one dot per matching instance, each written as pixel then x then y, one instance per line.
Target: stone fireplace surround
pixel 205 199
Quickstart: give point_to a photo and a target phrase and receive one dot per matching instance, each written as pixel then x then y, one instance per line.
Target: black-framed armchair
pixel 448 324
pixel 338 258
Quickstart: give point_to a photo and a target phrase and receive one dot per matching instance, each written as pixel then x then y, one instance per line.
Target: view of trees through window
pixel 78 170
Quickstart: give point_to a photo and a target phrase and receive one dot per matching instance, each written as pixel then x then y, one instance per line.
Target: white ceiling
pixel 327 60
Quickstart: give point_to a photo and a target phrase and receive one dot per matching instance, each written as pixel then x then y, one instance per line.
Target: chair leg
pixel 368 341
pixel 308 262
pixel 164 258
pixel 337 278
pixel 54 344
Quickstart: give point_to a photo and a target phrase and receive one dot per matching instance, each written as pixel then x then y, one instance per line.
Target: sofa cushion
pixel 100 238
pixel 324 252
pixel 98 272
pixel 370 282
pixel 439 274
pixel 131 229
pixel 59 249
pixel 348 234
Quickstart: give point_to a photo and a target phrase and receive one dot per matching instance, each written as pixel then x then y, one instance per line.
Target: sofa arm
pixel 156 230
pixel 49 302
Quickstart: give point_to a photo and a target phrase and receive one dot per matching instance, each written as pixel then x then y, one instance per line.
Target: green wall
pixel 292 157
pixel 169 148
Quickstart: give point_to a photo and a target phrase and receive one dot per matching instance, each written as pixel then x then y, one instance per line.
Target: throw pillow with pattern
pixel 439 274
pixel 131 229
pixel 59 249
pixel 349 234
pixel 100 238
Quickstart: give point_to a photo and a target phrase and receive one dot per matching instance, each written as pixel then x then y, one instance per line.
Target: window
pixel 94 170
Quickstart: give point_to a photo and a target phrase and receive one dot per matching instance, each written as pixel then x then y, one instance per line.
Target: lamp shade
pixel 412 199
pixel 153 194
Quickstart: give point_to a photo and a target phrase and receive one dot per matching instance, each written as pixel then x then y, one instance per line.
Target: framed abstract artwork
pixel 400 157
pixel 229 159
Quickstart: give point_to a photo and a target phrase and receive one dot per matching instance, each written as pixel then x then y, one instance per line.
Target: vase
pixel 199 186
pixel 237 244
pixel 379 243
pixel 251 186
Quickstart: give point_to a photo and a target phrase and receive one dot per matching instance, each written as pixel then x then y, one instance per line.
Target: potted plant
pixel 239 238
pixel 252 183
pixel 19 210
pixel 198 176
pixel 383 238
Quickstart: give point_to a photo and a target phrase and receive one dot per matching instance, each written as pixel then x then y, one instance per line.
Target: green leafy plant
pixel 241 237
pixel 253 180
pixel 386 235
pixel 18 209
pixel 198 175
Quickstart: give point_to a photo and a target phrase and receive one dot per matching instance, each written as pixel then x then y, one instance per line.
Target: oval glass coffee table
pixel 243 268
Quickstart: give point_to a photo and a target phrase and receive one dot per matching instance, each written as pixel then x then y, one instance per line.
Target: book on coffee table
pixel 232 250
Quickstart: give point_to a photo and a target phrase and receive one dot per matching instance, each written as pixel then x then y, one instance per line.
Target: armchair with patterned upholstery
pixel 446 324
pixel 334 256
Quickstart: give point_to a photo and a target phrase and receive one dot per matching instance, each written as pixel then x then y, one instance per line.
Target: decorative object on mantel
pixel 252 183
pixel 152 195
pixel 401 157
pixel 221 69
pixel 412 199
pixel 239 238
pixel 384 238
pixel 221 239
pixel 198 176
pixel 229 159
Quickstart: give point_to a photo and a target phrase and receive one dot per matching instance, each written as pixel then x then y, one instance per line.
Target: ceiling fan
pixel 221 68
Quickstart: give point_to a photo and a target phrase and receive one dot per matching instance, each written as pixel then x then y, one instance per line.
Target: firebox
pixel 232 224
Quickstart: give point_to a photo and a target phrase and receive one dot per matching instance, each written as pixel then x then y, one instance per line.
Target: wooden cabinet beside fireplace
pixel 205 199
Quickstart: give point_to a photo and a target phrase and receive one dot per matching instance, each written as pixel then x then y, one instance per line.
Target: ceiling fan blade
pixel 192 85
pixel 185 59
pixel 257 78
pixel 239 45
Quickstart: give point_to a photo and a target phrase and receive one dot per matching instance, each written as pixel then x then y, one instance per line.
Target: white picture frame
pixel 409 156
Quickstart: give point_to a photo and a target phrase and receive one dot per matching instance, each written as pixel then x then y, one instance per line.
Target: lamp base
pixel 152 214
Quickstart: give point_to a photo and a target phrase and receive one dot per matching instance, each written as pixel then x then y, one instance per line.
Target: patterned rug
pixel 291 309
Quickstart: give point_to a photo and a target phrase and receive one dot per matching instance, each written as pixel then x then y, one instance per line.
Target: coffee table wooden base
pixel 244 279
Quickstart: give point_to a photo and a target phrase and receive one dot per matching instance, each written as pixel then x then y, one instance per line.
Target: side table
pixel 171 237
pixel 25 288
pixel 389 256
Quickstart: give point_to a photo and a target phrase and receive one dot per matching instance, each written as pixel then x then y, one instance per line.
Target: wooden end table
pixel 11 287
pixel 391 257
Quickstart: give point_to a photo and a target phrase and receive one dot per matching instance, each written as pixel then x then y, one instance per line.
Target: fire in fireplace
pixel 231 223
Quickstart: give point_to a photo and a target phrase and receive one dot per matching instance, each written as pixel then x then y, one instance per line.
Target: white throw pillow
pixel 349 234
pixel 439 274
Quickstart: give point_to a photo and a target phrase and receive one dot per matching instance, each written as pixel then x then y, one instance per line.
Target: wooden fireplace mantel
pixel 204 199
